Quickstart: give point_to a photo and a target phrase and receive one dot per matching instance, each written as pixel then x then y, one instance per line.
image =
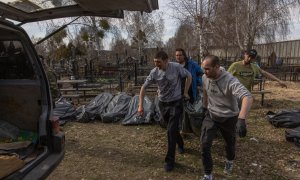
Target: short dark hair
pixel 252 53
pixel 161 55
pixel 214 60
pixel 183 53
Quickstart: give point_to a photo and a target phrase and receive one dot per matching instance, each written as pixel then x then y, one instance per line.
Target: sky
pixel 171 25
pixel 294 25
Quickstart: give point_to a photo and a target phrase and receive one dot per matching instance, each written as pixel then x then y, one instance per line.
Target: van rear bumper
pixel 43 170
pixel 40 169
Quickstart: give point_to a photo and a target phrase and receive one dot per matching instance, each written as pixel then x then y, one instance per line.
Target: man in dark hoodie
pixel 221 91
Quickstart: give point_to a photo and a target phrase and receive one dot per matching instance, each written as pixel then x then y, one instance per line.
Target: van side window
pixel 14 63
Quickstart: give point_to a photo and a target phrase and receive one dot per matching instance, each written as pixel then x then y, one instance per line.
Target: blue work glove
pixel 241 127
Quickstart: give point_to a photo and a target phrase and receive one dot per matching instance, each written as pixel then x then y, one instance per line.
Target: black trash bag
pixel 94 108
pixel 117 108
pixel 157 116
pixel 285 118
pixel 64 110
pixel 81 116
pixel 293 135
pixel 185 125
pixel 132 118
pixel 195 114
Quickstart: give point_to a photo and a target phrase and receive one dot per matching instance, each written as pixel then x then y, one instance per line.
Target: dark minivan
pixel 31 144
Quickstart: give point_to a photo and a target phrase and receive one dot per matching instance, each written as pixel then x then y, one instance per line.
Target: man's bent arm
pixel 141 99
pixel 187 85
pixel 272 77
pixel 245 108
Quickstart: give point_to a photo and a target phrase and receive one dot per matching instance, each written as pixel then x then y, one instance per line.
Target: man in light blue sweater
pixel 221 91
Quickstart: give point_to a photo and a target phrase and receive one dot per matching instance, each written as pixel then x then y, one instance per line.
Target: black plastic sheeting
pixel 157 116
pixel 293 135
pixel 285 118
pixel 132 118
pixel 194 112
pixel 94 108
pixel 117 108
pixel 122 107
pixel 64 110
pixel 196 115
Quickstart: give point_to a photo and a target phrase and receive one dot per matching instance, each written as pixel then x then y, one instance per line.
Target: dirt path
pixel 112 151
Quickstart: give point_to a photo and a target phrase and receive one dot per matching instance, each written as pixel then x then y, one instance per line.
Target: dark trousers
pixel 171 113
pixel 208 132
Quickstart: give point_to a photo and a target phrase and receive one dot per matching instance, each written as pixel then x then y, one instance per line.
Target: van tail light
pixel 55 125
pixel 58 136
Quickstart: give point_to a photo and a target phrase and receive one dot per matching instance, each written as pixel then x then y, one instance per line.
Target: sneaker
pixel 169 167
pixel 228 167
pixel 180 150
pixel 207 177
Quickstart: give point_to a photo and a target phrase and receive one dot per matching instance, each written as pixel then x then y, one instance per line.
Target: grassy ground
pixel 112 151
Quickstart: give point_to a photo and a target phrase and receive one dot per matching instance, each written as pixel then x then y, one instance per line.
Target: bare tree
pixel 199 14
pixel 222 27
pixel 185 39
pixel 241 23
pixel 143 30
pixel 260 19
pixel 170 46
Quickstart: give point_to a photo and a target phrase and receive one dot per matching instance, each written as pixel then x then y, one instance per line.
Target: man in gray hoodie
pixel 221 92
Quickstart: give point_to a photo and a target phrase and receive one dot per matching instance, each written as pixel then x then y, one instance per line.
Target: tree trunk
pixel 95 30
pixel 200 43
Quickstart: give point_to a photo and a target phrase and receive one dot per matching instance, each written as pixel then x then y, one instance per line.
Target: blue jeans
pixel 171 113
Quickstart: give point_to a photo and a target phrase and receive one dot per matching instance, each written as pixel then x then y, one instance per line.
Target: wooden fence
pixel 279 58
pixel 288 51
